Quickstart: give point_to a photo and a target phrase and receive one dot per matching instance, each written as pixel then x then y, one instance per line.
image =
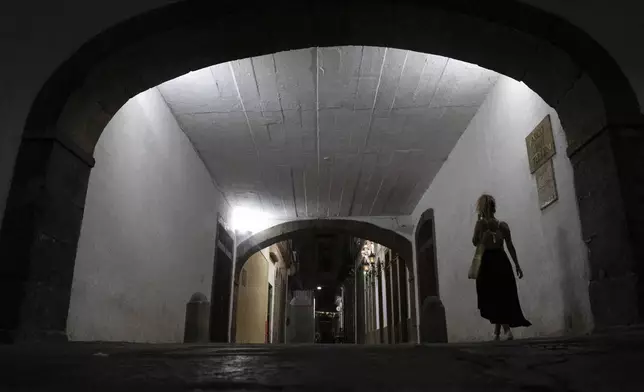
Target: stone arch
pixel 354 228
pixel 433 321
pixel 365 230
pixel 568 69
pixel 558 61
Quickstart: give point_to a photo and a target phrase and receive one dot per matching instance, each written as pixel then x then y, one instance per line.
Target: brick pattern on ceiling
pixel 334 131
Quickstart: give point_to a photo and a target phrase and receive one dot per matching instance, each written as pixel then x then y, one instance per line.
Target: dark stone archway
pixel 221 283
pixel 560 62
pixel 354 228
pixel 392 240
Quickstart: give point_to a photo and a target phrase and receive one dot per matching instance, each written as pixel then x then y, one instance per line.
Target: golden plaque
pixel 546 184
pixel 540 144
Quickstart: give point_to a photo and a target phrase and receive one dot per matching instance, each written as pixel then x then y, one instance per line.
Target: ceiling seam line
pixel 375 198
pixel 284 207
pixel 250 128
pixel 355 95
pixel 241 102
pixel 330 107
pixel 344 184
pixel 293 190
pixel 438 83
pixel 391 191
pixel 412 193
pixel 252 67
pixel 279 99
pixel 420 79
pixel 402 71
pixel 306 202
pixel 375 99
pixel 353 197
pixel 366 141
pixel 317 119
pixel 414 190
pixel 368 186
pixel 331 178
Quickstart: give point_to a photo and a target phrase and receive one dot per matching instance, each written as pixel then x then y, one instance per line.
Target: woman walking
pixel 496 288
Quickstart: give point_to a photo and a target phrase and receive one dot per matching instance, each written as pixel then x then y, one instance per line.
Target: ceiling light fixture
pixel 248 220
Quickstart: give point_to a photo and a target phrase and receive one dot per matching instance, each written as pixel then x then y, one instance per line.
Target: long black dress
pixel 496 289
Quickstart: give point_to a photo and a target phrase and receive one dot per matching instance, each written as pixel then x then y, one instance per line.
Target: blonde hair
pixel 486 206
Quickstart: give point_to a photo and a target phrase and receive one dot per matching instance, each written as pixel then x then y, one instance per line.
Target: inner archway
pixel 358 229
pixel 562 64
pixel 398 244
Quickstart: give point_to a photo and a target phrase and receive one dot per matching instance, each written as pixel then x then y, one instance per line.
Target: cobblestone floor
pixel 609 362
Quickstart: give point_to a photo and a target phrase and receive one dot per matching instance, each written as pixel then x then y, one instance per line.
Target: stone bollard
pixel 433 326
pixel 197 319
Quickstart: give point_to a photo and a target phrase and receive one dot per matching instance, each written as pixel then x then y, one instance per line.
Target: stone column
pixel 359 314
pixel 411 293
pixel 609 182
pixel 369 307
pixel 349 312
pixel 404 311
pixel 388 299
pixel 374 314
pixel 378 283
pixel 367 311
pixel 39 238
pixel 365 302
pixel 372 309
pixel 395 299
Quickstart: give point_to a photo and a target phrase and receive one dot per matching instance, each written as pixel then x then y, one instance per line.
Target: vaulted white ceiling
pixel 341 131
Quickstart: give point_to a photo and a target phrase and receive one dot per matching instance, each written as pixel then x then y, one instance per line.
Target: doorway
pixel 221 284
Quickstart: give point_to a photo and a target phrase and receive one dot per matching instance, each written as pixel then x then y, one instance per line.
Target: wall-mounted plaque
pixel 546 184
pixel 540 144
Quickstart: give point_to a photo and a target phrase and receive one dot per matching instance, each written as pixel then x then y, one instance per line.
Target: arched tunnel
pixel 201 191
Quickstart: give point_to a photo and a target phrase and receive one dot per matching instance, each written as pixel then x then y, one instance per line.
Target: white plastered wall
pixel 147 238
pixel 491 157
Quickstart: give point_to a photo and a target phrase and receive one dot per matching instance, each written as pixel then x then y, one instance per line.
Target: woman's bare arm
pixel 510 245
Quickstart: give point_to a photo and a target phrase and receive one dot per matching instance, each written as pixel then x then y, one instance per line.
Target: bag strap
pixel 490 231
